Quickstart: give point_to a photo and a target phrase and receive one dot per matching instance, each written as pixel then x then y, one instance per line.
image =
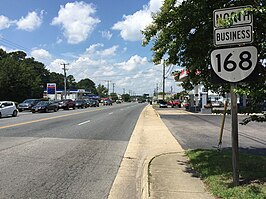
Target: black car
pixel 81 103
pixel 45 106
pixel 27 104
pixel 93 103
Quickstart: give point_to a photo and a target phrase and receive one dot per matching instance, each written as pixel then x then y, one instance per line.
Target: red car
pixel 175 103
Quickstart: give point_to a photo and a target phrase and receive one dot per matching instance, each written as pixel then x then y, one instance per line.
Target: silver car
pixel 8 108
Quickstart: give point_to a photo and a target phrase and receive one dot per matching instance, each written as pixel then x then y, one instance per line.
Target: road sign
pixel 239 32
pixel 234 64
pixel 51 88
pixel 236 35
pixel 222 14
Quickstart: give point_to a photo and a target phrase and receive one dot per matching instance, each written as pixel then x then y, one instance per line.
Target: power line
pixel 11 44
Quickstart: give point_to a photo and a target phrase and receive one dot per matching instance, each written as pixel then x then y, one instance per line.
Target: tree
pixel 87 84
pixel 20 77
pixel 113 96
pixel 102 91
pixel 72 85
pixel 58 79
pixel 125 97
pixel 183 35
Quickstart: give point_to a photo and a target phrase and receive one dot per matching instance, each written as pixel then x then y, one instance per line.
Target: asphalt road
pixel 199 131
pixel 67 154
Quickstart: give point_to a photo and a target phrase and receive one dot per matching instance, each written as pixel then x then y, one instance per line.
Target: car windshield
pixel 28 101
pixel 43 103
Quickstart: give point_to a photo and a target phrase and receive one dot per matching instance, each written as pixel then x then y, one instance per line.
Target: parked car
pixel 27 104
pixel 93 103
pixel 107 102
pixel 175 103
pixel 45 106
pixel 162 104
pixel 118 101
pixel 8 108
pixel 81 103
pixel 66 104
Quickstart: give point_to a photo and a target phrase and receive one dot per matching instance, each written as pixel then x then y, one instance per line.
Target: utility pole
pixel 124 91
pixel 163 81
pixel 113 87
pixel 65 78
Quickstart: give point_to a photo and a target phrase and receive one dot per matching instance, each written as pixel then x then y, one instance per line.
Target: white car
pixel 8 108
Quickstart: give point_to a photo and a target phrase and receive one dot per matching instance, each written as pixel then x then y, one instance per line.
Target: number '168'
pixel 230 65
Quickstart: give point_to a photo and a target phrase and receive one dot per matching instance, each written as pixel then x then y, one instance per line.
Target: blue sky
pixel 99 39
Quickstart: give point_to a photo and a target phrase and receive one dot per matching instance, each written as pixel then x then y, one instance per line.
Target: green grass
pixel 215 168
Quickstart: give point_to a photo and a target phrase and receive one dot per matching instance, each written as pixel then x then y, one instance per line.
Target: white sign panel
pixel 222 14
pixel 236 35
pixel 234 64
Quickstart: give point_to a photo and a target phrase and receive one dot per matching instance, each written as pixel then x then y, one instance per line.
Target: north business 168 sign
pixel 234 64
pixel 239 32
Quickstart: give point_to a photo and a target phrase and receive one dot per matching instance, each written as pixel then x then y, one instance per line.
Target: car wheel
pixel 0 114
pixel 46 110
pixel 15 113
pixel 55 109
pixel 33 111
pixel 74 107
pixel 20 110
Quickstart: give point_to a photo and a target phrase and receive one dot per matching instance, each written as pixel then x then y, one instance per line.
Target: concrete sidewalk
pixel 155 162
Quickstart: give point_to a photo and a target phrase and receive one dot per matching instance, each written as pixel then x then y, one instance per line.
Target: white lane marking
pixel 111 113
pixel 84 122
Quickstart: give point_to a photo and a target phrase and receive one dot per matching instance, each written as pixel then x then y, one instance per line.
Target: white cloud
pixel 56 65
pixel 31 22
pixel 41 54
pixel 134 62
pixel 93 50
pixel 106 34
pixel 5 22
pixel 131 25
pixel 77 21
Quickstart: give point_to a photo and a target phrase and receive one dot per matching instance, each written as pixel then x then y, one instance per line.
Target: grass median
pixel 215 169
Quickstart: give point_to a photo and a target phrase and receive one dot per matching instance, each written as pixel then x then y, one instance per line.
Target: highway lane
pixel 67 154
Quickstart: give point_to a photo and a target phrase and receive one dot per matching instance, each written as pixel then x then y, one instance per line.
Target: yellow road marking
pixel 45 119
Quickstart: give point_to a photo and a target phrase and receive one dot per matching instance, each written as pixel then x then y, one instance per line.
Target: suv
pixel 27 104
pixel 8 108
pixel 66 104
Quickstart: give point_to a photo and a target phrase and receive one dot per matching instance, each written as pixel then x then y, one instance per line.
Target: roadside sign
pixel 51 88
pixel 234 64
pixel 239 32
pixel 236 35
pixel 222 14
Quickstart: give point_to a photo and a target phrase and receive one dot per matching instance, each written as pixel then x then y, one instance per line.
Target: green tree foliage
pixel 87 84
pixel 113 96
pixel 102 90
pixel 22 77
pixel 58 79
pixel 182 34
pixel 125 97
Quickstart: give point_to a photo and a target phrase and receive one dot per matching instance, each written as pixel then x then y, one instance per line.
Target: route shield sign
pixel 234 64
